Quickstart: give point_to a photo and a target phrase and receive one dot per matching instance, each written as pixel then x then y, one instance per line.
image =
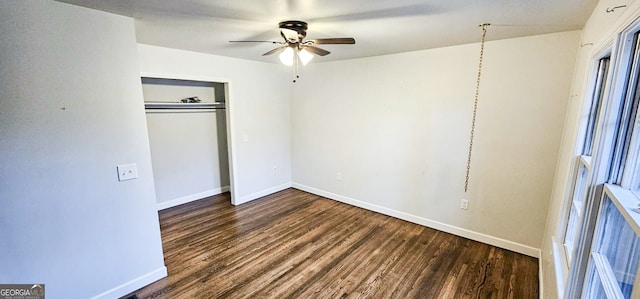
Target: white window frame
pixel 574 206
pixel 624 201
pixel 604 147
pixel 599 89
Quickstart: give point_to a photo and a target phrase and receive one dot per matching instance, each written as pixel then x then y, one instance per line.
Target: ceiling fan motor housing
pixel 298 26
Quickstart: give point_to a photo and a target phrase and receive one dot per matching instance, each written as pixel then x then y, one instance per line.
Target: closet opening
pixel 188 126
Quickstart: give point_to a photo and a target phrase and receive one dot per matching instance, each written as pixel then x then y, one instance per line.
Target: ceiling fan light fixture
pixel 287 56
pixel 305 56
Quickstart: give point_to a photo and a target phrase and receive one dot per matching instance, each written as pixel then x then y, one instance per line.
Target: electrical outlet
pixel 127 172
pixel 464 204
pixel 339 176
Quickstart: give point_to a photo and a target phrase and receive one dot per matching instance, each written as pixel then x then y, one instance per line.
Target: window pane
pixel 593 287
pixel 626 117
pixel 594 110
pixel 581 183
pixel 618 242
pixel 571 233
pixel 634 167
pixel 635 187
pixel 573 225
pixel 624 140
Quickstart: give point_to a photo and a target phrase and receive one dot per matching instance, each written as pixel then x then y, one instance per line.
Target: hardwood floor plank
pixel 315 266
pixel 356 266
pixel 297 249
pixel 293 244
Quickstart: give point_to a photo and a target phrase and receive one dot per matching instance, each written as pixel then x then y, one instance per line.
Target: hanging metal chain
pixel 475 106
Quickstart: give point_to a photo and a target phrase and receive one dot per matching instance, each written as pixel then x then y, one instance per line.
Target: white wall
pixel 397 128
pixel 259 107
pixel 593 33
pixel 71 111
pixel 189 155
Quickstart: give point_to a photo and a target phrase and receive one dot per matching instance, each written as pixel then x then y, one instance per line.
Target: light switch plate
pixel 127 172
pixel 464 204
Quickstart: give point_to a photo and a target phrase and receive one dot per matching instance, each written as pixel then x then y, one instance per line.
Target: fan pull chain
pixel 295 68
pixel 475 106
pixel 296 65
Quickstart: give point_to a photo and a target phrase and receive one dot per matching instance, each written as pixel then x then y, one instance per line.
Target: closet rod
pixel 183 106
pixel 202 110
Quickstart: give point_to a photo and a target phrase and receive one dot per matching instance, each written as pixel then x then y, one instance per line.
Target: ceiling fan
pixel 295 48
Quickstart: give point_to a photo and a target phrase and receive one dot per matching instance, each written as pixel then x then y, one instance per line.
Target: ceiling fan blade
pixel 252 41
pixel 276 50
pixel 317 51
pixel 335 41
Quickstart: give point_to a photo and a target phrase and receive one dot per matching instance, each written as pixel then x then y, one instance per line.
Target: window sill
pixel 561 268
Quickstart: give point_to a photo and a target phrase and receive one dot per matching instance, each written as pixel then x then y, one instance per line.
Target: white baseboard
pixel 135 284
pixel 259 194
pixel 189 198
pixel 462 232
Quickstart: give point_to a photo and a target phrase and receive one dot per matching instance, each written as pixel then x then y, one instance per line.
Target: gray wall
pixel 71 111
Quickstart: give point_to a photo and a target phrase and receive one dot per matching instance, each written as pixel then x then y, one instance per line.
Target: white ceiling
pixel 379 26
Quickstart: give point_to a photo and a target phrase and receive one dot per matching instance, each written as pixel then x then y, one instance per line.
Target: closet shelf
pixel 179 107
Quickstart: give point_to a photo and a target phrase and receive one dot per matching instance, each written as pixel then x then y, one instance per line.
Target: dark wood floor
pixel 293 244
